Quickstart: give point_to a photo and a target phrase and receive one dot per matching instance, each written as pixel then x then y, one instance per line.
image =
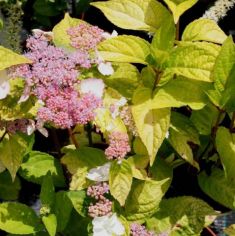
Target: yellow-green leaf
pixel 204 30
pixel 134 14
pixel 50 223
pixel 125 48
pixel 178 7
pixel 193 60
pixel 120 180
pixel 60 36
pixel 8 58
pixel 152 124
pixel 181 92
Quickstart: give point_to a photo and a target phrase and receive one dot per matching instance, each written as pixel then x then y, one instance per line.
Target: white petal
pixel 31 127
pixel 116 225
pixel 101 173
pixel 94 86
pixel 105 68
pixel 121 102
pixel 4 89
pixel 107 35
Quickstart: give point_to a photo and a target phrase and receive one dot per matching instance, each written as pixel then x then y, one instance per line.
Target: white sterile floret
pixel 105 68
pixel 107 35
pixel 31 127
pixel 4 84
pixel 167 134
pixel 100 173
pixel 92 85
pixel 107 226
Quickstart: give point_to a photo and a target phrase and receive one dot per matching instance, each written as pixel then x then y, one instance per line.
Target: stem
pixel 74 141
pixel 89 134
pixel 232 121
pixel 56 141
pixel 3 136
pixel 177 36
pixel 210 231
pixel 83 16
pixel 216 126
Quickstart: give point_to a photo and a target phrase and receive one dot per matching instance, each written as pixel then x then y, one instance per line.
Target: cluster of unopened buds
pixel 140 230
pixel 103 206
pixel 118 146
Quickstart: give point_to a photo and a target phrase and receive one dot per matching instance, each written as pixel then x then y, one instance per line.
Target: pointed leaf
pixel 181 92
pixel 144 199
pixel 47 194
pixel 9 190
pixel 225 144
pixel 38 164
pixel 17 218
pixel 182 132
pixel 9 58
pixel 134 14
pixel 120 180
pixel 125 48
pixel 204 30
pixel 173 209
pixel 152 124
pixel 217 181
pixel 178 7
pixel 12 149
pixel 60 36
pixel 50 224
pixel 193 60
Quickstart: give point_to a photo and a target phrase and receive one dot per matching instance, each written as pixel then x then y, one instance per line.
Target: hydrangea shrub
pixel 133 109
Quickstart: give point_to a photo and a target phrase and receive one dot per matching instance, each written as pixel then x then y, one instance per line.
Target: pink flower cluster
pixel 118 146
pixel 140 230
pixel 85 37
pixel 53 78
pixel 103 206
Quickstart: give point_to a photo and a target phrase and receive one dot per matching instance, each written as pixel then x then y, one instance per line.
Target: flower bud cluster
pixel 140 230
pixel 118 146
pixel 219 10
pixel 85 37
pixel 127 118
pixel 103 206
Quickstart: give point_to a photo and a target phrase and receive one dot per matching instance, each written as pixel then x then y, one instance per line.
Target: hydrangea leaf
pixel 37 164
pixel 178 7
pixel 230 231
pixel 63 209
pixel 50 223
pixel 120 180
pixel 204 30
pixel 225 144
pixel 12 149
pixel 205 119
pixel 217 181
pixel 152 124
pixel 125 79
pixel 17 218
pixel 182 132
pixel 9 190
pixel 164 37
pixel 173 210
pixel 47 194
pixel 78 199
pixel 193 60
pixel 145 15
pixel 11 109
pixel 181 92
pixel 125 48
pixel 144 199
pixel 223 75
pixel 9 58
pixel 84 157
pixel 60 36
pixel 106 122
